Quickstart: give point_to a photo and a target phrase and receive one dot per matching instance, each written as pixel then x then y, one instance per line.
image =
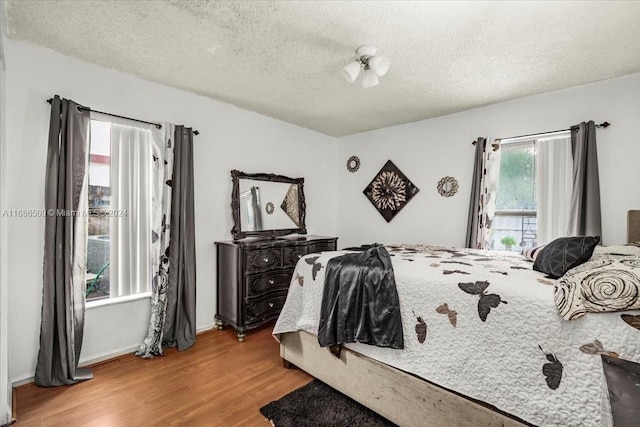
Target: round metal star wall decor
pixel 448 186
pixel 269 208
pixel 353 164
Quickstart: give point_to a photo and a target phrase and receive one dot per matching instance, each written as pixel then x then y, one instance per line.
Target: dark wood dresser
pixel 253 277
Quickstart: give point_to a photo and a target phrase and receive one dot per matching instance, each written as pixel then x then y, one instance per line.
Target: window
pixel 120 211
pixel 514 224
pixel 98 239
pixel 533 201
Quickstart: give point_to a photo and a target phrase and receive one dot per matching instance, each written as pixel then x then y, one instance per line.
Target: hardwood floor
pixel 218 382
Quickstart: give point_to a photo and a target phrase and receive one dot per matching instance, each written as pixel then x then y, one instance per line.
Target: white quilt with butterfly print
pixel 485 325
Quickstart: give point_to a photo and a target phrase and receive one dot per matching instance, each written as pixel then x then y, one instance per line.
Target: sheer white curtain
pixel 554 187
pixel 131 184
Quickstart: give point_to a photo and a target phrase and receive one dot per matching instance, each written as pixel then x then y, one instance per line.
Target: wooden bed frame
pixel 402 398
pixel 405 399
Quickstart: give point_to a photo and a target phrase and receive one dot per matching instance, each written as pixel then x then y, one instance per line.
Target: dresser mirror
pixel 267 205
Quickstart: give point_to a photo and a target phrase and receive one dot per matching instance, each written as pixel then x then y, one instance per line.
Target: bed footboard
pixel 402 398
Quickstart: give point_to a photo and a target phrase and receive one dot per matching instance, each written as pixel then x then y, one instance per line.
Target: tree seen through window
pixel 517 181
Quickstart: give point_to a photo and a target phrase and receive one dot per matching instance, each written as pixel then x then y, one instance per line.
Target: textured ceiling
pixel 283 59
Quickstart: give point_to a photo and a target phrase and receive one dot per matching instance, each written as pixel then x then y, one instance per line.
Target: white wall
pixel 431 149
pixel 230 138
pixel 5 385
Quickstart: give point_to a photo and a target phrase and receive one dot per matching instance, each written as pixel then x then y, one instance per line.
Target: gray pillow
pixel 564 253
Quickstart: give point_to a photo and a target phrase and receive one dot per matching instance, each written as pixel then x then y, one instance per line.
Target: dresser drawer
pixel 263 259
pixel 292 254
pixel 254 277
pixel 264 308
pixel 321 247
pixel 269 282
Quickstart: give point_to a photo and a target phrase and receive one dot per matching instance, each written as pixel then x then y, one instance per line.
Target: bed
pixel 517 363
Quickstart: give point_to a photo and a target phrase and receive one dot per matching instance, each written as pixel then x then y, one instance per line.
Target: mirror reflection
pixel 279 199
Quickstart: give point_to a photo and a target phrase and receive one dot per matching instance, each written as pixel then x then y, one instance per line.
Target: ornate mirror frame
pixel 237 232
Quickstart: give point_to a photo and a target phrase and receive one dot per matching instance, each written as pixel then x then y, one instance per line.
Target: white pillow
pixel 532 254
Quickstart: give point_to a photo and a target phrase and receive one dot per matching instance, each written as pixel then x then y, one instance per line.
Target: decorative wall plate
pixel 353 164
pixel 269 208
pixel 390 191
pixel 448 186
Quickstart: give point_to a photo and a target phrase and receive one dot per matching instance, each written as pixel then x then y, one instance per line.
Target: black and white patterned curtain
pixel 484 189
pixel 173 293
pixel 162 148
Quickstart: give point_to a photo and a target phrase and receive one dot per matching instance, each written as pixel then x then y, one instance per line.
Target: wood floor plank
pixel 218 382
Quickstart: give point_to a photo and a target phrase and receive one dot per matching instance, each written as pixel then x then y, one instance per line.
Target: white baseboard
pixel 28 378
pixel 21 380
pixel 205 328
pixel 91 360
pixel 97 358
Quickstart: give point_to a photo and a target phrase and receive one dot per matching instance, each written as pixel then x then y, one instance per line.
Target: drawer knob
pixel 270 305
pixel 265 259
pixel 271 281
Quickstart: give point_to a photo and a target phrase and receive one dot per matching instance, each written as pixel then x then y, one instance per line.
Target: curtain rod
pixel 157 125
pixel 601 125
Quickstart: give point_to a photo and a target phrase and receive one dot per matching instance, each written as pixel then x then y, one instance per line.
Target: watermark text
pixel 41 213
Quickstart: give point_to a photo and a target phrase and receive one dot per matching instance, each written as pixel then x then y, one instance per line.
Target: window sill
pixel 117 300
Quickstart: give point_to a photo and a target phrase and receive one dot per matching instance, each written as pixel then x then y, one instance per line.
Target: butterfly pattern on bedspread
pixel 421 329
pixel 316 265
pixel 451 314
pixel 631 320
pixel 552 370
pixel 486 301
pixel 441 319
pixel 597 348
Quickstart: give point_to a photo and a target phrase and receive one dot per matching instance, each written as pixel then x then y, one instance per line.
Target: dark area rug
pixel 317 404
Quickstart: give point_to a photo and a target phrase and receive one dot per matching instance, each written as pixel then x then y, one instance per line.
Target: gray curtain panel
pixel 180 321
pixel 476 190
pixel 585 200
pixel 63 298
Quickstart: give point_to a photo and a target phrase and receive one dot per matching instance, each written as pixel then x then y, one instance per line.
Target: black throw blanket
pixel 360 300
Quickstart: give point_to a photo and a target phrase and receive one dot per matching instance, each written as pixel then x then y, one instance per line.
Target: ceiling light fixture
pixel 372 65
